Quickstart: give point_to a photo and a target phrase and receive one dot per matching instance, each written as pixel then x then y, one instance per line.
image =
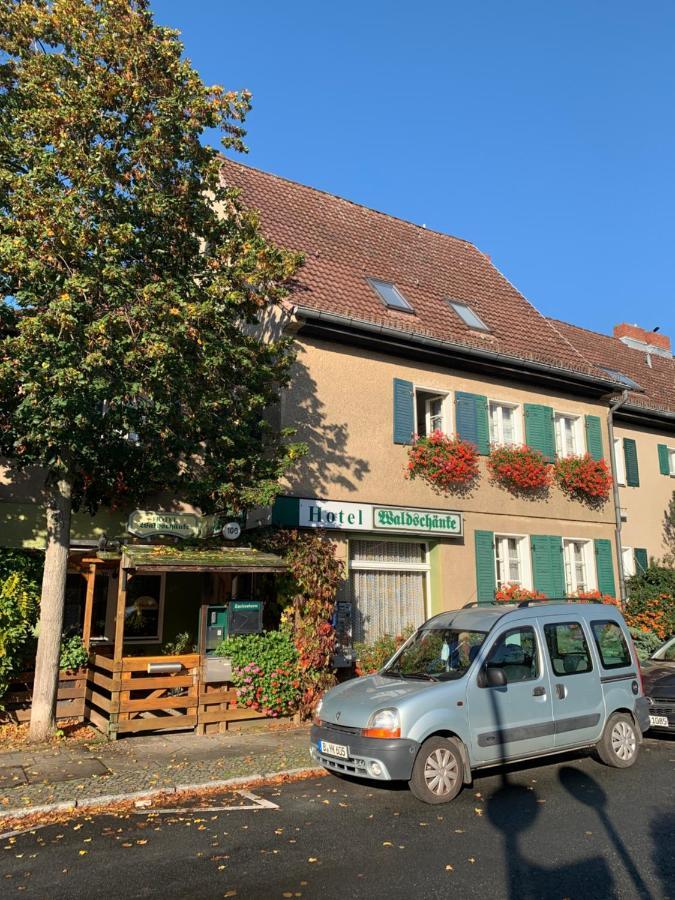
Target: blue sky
pixel 544 132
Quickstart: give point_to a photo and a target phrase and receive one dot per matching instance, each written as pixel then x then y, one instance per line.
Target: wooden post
pixel 118 650
pixel 89 605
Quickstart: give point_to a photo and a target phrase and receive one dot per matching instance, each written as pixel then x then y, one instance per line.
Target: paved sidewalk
pixel 78 772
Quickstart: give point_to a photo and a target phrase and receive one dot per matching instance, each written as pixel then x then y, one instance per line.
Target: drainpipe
pixel 617 500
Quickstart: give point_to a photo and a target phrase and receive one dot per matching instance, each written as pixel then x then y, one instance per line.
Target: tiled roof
pixel 656 380
pixel 345 243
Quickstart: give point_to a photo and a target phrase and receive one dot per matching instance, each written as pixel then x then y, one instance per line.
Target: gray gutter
pixel 560 372
pixel 617 498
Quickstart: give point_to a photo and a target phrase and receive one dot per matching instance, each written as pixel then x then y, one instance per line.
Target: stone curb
pixel 92 802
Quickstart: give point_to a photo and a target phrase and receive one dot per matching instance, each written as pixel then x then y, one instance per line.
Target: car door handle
pixel 561 691
pixel 539 692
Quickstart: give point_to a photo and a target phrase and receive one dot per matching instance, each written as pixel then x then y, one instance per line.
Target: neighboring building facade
pixel 401 330
pixel 644 433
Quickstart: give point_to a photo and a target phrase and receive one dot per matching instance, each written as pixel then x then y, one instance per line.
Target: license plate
pixel 334 749
pixel 659 721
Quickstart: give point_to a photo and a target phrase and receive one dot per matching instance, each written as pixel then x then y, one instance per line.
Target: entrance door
pixel 516 719
pixel 578 702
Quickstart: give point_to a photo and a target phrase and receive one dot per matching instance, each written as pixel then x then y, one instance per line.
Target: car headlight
pixel 317 712
pixel 383 723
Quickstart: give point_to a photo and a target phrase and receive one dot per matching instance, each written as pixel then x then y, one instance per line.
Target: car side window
pixel 515 653
pixel 611 644
pixel 567 648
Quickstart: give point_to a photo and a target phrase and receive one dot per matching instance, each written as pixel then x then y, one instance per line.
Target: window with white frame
pixel 504 423
pixel 567 434
pixel 388 584
pixel 511 561
pixel 432 412
pixel 579 573
pixel 619 461
pixel 144 608
pixel 671 460
pixel 628 559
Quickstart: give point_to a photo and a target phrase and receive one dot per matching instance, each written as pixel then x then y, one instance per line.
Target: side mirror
pixel 491 676
pixel 496 677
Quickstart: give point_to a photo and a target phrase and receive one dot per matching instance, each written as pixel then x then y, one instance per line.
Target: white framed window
pixel 579 568
pixel 619 462
pixel 505 423
pixel 671 460
pixel 628 559
pixel 389 586
pixel 512 561
pixel 432 411
pixel 144 608
pixel 567 434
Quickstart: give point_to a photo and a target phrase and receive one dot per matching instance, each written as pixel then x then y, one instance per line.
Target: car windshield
pixel 666 652
pixel 436 654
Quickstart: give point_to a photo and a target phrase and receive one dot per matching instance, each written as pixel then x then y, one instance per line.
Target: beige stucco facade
pixel 644 507
pixel 340 401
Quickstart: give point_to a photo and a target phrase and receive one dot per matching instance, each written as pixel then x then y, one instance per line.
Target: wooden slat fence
pixel 70 698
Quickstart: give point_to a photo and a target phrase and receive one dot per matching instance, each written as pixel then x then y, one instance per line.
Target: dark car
pixel 658 677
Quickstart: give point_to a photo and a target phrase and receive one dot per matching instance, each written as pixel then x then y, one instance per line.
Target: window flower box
pixel 583 478
pixel 446 463
pixel 519 468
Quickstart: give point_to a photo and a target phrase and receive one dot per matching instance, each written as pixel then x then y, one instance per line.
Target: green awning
pixel 160 558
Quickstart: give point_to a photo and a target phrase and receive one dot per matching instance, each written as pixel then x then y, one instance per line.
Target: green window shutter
pixel 486 579
pixel 664 462
pixel 539 432
pixel 630 456
pixel 641 560
pixel 471 420
pixel 404 413
pixel 483 425
pixel 547 565
pixel 604 566
pixel 594 436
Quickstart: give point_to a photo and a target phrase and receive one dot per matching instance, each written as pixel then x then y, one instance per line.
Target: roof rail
pixel 534 600
pixel 476 603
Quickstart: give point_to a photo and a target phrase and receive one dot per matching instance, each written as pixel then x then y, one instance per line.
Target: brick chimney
pixel 639 339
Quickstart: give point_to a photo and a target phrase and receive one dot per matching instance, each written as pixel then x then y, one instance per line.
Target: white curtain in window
pixel 399 552
pixel 386 602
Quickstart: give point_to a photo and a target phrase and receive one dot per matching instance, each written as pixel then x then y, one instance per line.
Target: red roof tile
pixel 657 380
pixel 344 243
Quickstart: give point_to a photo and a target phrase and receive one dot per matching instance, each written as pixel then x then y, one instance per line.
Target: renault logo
pixel 337 716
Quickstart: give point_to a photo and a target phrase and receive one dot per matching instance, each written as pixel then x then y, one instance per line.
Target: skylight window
pixel 468 316
pixel 621 378
pixel 390 295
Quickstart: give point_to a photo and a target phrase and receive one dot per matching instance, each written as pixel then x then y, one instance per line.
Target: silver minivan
pixel 485 685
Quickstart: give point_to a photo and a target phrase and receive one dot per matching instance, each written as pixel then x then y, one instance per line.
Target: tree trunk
pixel 50 628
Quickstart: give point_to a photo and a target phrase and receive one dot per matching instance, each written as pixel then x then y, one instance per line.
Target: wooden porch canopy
pixel 157 558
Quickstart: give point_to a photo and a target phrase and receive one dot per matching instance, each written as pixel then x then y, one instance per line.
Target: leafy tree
pixel 133 281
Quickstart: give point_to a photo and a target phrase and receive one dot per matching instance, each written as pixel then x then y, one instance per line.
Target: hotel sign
pixel 148 523
pixel 334 515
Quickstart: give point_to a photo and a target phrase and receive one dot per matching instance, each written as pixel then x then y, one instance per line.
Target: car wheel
pixel 620 742
pixel 438 773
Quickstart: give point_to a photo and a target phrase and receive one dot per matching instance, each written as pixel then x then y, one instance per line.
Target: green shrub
pixel 646 642
pixel 182 643
pixel 18 613
pixel 74 654
pixel 371 657
pixel 264 671
pixel 651 603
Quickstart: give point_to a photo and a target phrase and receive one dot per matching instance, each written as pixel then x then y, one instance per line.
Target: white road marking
pixel 256 803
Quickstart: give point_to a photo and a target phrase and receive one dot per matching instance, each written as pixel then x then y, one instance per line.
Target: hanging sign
pixel 146 523
pixel 336 515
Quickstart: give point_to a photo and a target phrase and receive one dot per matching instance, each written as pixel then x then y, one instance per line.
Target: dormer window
pixel 390 295
pixel 468 316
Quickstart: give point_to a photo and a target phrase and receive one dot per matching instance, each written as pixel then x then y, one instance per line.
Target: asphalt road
pixel 568 828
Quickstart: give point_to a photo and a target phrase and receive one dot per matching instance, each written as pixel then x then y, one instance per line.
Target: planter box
pixel 216 668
